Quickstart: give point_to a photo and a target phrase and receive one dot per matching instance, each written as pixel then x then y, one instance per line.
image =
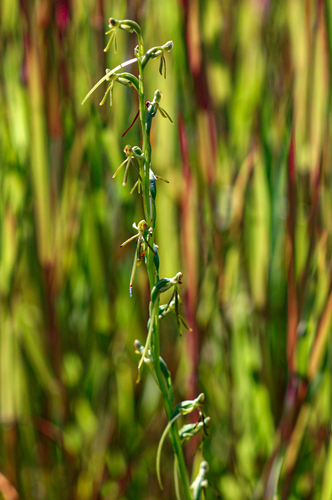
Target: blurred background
pixel 246 218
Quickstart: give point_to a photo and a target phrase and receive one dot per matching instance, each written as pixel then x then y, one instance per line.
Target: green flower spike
pixel 142 243
pixel 150 353
pixel 183 408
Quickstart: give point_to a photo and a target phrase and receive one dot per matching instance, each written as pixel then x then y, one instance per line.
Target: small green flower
pixel 189 430
pixel 142 243
pixel 131 153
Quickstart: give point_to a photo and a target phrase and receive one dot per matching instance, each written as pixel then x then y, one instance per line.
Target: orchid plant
pixel 147 250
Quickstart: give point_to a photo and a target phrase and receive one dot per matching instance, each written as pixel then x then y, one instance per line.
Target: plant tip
pixel 169 45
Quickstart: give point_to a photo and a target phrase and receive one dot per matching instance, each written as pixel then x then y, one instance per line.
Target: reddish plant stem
pixel 321 335
pixel 315 182
pixel 292 307
pixel 191 272
pixel 296 394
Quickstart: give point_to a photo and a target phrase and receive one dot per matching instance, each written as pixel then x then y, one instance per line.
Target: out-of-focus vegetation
pixel 246 217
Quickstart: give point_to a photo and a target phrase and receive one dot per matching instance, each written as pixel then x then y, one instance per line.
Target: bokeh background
pixel 246 218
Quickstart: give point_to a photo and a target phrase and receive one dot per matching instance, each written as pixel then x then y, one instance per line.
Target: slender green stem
pixel 168 403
